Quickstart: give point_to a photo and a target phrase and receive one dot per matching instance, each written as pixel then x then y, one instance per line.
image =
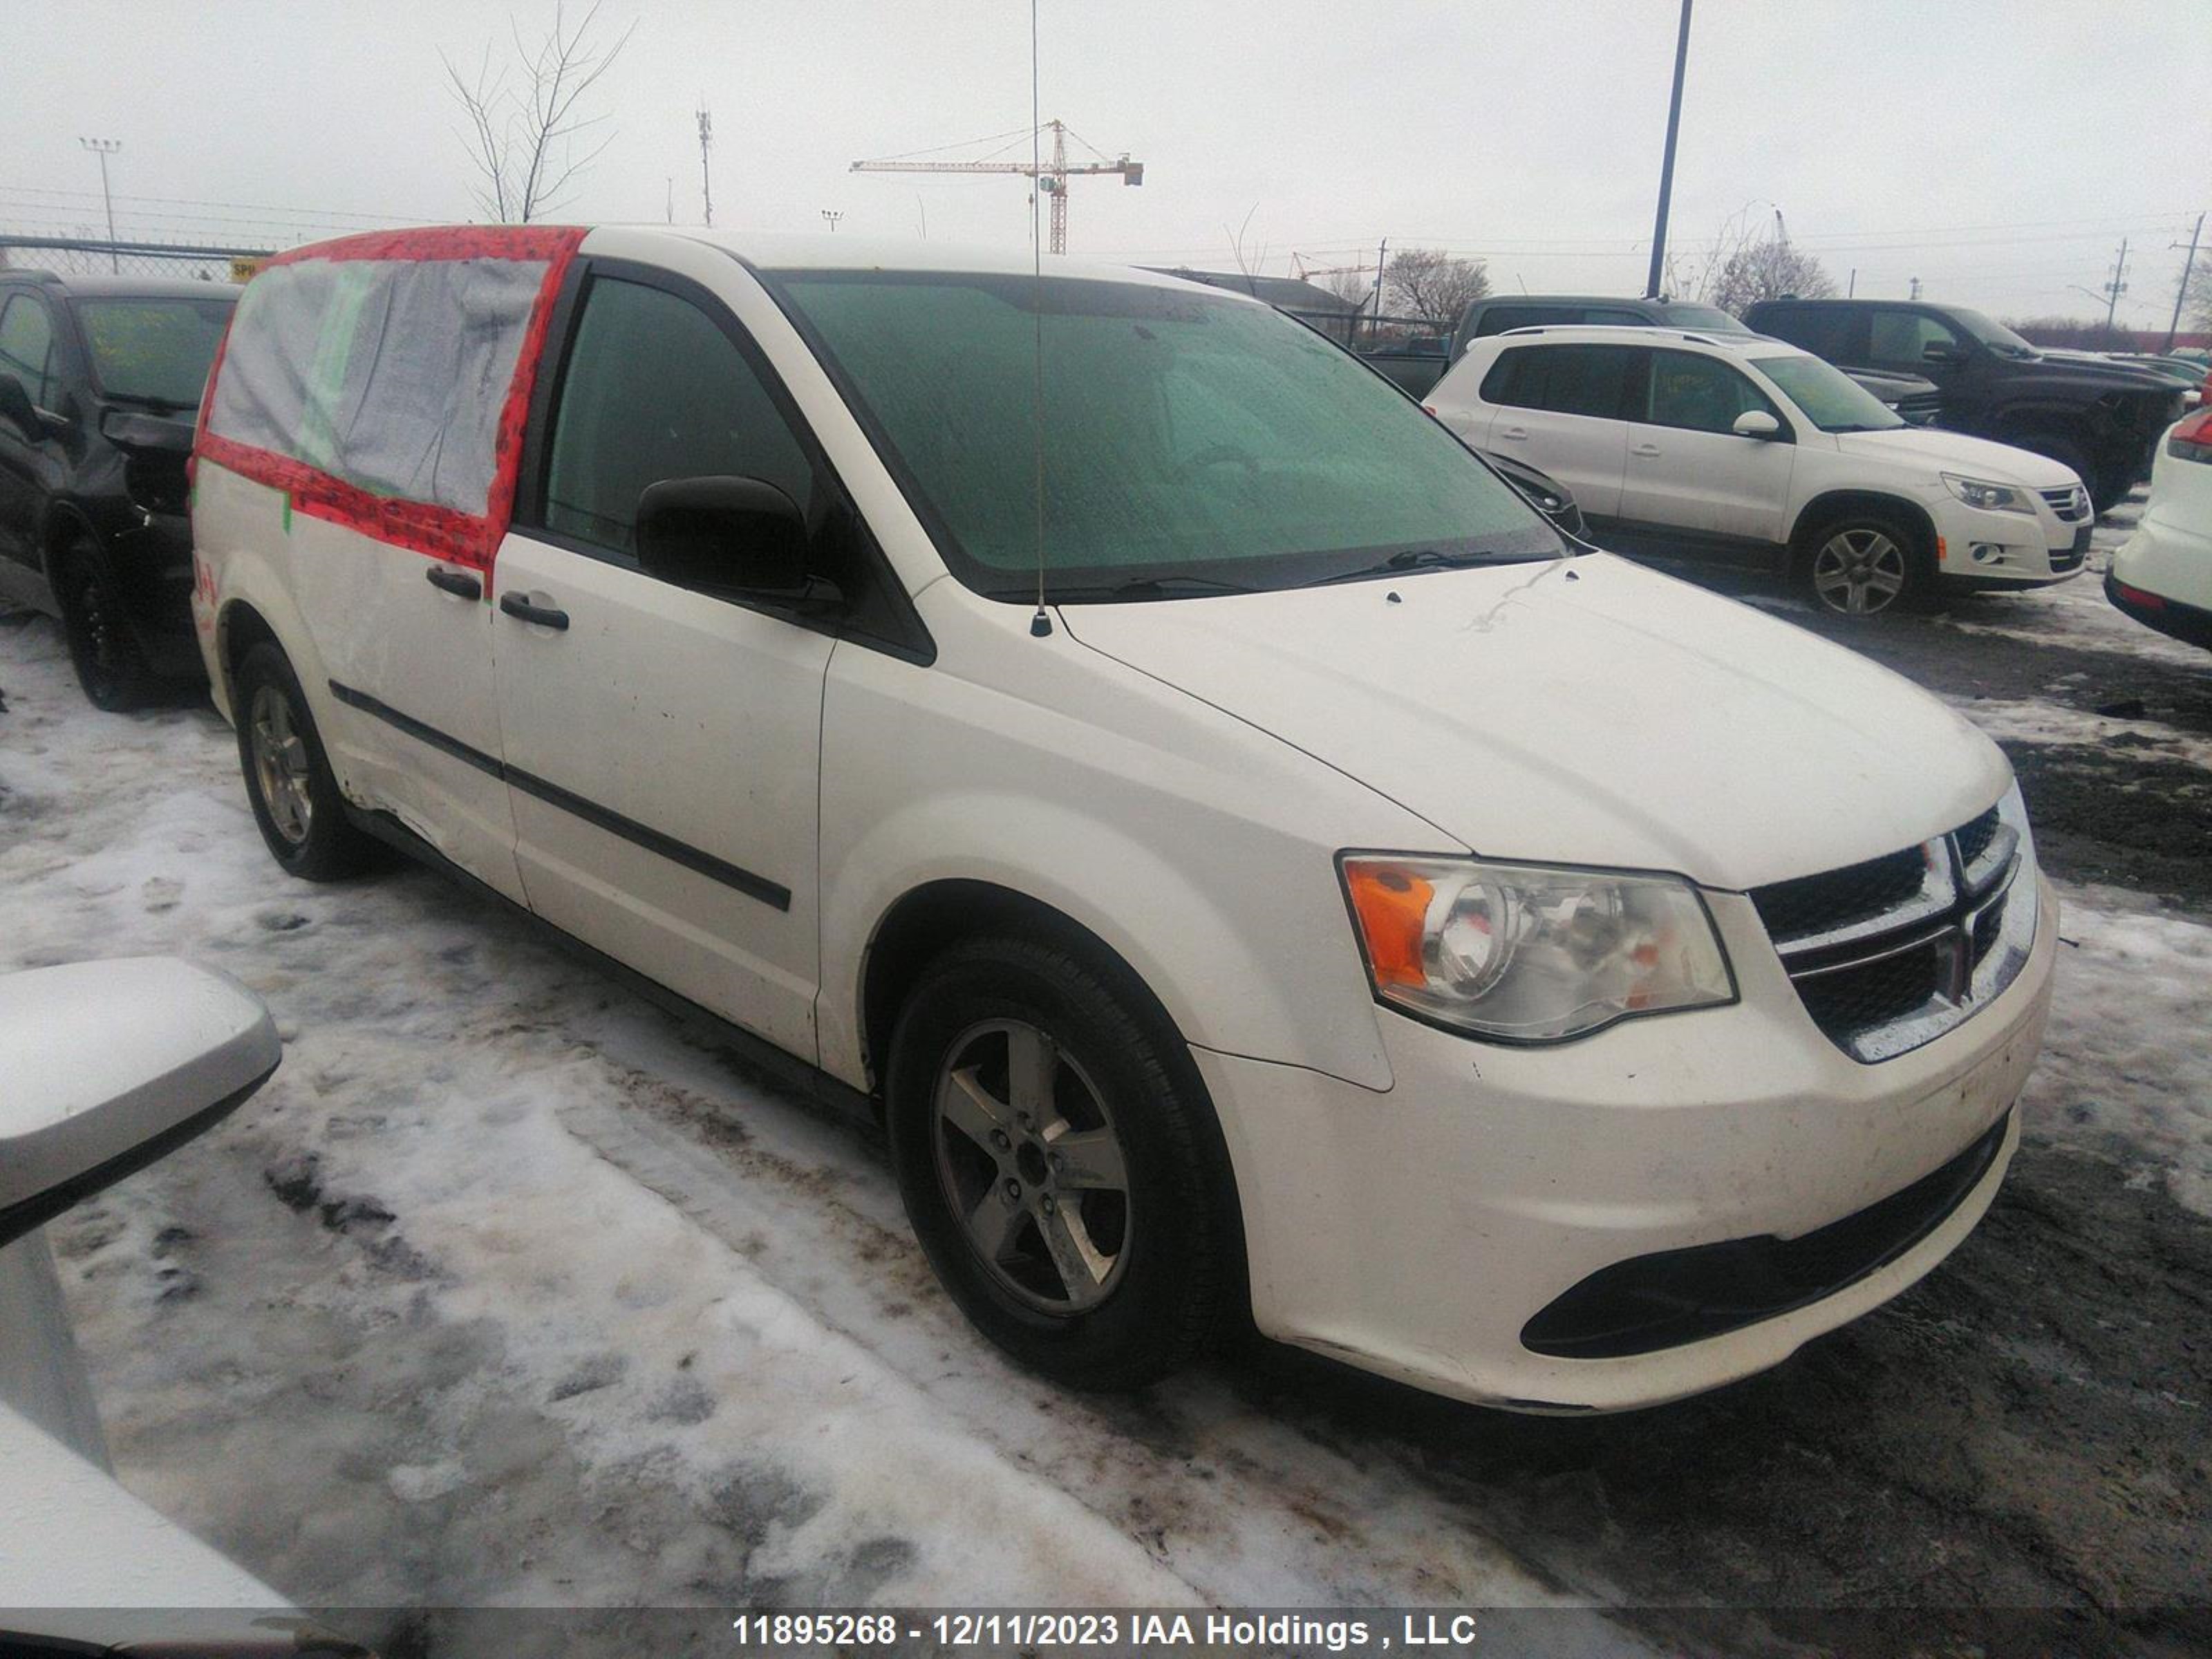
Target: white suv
pixel 1249 858
pixel 1744 449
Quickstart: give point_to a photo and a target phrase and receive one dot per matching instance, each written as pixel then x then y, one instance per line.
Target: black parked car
pixel 101 380
pixel 2100 417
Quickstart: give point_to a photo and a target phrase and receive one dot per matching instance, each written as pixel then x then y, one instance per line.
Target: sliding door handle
pixel 461 584
pixel 543 616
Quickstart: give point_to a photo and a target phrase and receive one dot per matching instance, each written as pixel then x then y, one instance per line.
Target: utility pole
pixel 1666 164
pixel 671 196
pixel 831 216
pixel 1916 288
pixel 2116 287
pixel 1382 258
pixel 706 178
pixel 2182 293
pixel 104 148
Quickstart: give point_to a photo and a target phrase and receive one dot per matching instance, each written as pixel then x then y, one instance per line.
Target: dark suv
pixel 1501 314
pixel 101 380
pixel 2100 418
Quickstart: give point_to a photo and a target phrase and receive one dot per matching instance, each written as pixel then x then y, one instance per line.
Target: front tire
pixel 295 798
pixel 1864 564
pixel 1057 1158
pixel 110 666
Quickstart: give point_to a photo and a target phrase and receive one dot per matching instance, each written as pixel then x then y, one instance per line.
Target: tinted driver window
pixel 654 390
pixel 1566 379
pixel 1902 337
pixel 26 343
pixel 1700 394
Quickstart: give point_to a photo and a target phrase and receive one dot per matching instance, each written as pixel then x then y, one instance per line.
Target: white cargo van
pixel 1515 972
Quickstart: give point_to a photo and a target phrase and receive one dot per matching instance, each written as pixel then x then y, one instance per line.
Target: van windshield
pixel 1192 442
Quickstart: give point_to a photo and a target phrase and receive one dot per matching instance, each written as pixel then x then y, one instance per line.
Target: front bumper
pixel 1983 549
pixel 1417 1231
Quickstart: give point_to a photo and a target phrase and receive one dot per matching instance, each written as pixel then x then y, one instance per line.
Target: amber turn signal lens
pixel 1393 907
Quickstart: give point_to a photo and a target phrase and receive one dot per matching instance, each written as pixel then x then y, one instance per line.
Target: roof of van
pixel 839 252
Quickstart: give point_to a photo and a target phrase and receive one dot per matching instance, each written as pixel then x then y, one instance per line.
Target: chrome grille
pixel 1889 954
pixel 2072 504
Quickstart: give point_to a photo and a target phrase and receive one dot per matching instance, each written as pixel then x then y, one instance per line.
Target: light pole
pixel 1667 164
pixel 104 148
pixel 831 216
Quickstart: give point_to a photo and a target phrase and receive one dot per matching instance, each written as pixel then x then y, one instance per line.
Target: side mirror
pixel 18 410
pixel 1757 423
pixel 106 1066
pixel 722 535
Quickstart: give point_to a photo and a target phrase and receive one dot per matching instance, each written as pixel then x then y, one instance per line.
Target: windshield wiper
pixel 1137 587
pixel 1418 558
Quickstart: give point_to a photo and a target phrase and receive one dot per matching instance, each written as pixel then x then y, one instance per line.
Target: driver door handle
pixel 543 616
pixel 1645 449
pixel 460 583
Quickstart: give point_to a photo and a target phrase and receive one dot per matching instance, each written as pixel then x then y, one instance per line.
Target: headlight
pixel 1526 954
pixel 1990 497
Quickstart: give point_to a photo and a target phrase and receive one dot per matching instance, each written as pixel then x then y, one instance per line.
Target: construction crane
pixel 1051 174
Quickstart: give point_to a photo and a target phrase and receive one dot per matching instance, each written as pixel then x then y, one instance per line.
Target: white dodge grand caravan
pixel 1302 887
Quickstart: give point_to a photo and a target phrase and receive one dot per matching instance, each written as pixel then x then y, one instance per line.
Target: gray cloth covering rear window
pixel 389 374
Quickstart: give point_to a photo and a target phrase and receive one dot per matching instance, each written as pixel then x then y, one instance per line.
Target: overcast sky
pixel 1998 150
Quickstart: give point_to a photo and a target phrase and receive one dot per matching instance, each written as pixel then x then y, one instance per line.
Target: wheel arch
pixel 1830 504
pixel 930 919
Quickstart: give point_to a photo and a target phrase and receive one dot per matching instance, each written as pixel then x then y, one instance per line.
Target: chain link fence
pixel 75 256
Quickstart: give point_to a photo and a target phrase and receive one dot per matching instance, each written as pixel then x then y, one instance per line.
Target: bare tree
pixel 1353 286
pixel 1769 271
pixel 1693 271
pixel 2196 299
pixel 1421 282
pixel 526 120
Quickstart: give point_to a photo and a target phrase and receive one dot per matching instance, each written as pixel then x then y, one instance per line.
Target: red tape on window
pixel 436 531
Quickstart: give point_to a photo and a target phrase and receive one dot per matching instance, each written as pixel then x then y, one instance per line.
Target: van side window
pixel 27 348
pixel 654 389
pixel 1566 379
pixel 1701 394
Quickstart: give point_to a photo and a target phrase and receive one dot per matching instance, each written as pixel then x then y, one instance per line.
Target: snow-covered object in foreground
pixel 2163 576
pixel 1526 975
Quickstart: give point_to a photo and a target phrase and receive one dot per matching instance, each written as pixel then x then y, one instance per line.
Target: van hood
pixel 1581 711
pixel 1954 452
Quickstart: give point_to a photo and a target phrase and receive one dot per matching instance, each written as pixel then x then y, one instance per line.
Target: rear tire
pixel 289 782
pixel 110 666
pixel 1056 1154
pixel 1864 564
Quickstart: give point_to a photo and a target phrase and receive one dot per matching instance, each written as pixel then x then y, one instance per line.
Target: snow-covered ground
pixel 510 1290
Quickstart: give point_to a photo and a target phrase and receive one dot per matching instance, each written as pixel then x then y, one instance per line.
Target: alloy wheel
pixel 1859 571
pixel 1032 1166
pixel 281 766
